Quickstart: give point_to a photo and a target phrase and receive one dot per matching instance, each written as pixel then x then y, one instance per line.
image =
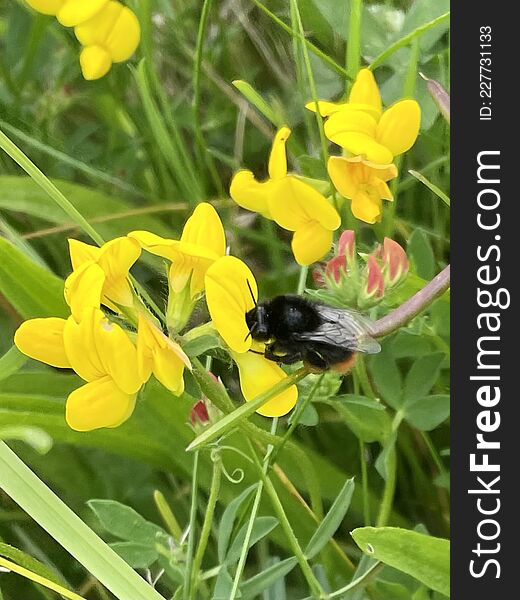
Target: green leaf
pixel 125 523
pixel 328 527
pixel 247 90
pixel 387 376
pixel 223 586
pixel 138 556
pixel 30 288
pixel 201 344
pixel 422 376
pixel 254 586
pixel 365 417
pixel 421 252
pixel 261 527
pixel 228 521
pixel 427 413
pixel 30 563
pixel 34 437
pixel 11 361
pixel 422 556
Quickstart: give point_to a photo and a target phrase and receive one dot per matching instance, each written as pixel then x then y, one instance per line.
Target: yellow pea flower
pixel 100 352
pixel 360 127
pixel 364 183
pixel 231 291
pixel 110 36
pixel 108 31
pixel 202 242
pixel 106 268
pixel 158 354
pixel 290 202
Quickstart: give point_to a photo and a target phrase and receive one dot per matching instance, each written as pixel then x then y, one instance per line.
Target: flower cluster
pixel 108 31
pixel 351 283
pixel 370 138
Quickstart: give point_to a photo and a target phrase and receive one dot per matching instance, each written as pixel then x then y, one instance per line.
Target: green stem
pixel 364 381
pixel 252 517
pixel 302 281
pixel 197 69
pixel 315 586
pixel 314 49
pixel 357 583
pixel 433 452
pixel 208 521
pixel 353 58
pixel 364 483
pixel 188 575
pixel 389 491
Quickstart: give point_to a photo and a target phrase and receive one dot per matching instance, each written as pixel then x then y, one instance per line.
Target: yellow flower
pixel 231 291
pixel 161 356
pixel 100 352
pixel 203 241
pixel 290 202
pixel 109 31
pixel 106 268
pixel 363 130
pixel 110 36
pixel 364 183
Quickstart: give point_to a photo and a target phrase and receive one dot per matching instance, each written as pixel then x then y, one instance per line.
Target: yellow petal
pixel 295 202
pixel 155 244
pixel 365 146
pixel 384 191
pixel 117 354
pixel 46 7
pixel 168 369
pixel 343 175
pixel 258 375
pixel 311 243
pixel 365 91
pixel 74 12
pixel 78 338
pixel 98 404
pixel 81 253
pixel 399 126
pixel 116 258
pixel 367 208
pixel 326 108
pixel 204 228
pixel 83 288
pixel 42 339
pixel 277 167
pixel 350 120
pixel 229 299
pixel 250 194
pixel 179 274
pixel 95 62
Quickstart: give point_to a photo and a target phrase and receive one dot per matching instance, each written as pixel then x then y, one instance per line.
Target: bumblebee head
pixel 258 324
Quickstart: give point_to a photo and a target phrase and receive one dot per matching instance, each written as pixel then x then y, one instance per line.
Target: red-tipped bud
pixel 199 414
pixel 375 286
pixel 336 267
pixel 347 244
pixel 395 261
pixel 318 276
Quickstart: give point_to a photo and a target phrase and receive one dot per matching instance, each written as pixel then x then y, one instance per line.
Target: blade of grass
pixel 407 39
pixel 431 186
pixel 35 498
pixel 10 148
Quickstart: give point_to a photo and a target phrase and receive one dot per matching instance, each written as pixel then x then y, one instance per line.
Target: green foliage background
pixel 129 152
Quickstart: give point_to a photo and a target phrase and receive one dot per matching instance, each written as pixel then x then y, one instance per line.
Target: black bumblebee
pixel 323 337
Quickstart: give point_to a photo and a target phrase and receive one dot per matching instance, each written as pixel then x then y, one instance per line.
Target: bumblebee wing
pixel 341 327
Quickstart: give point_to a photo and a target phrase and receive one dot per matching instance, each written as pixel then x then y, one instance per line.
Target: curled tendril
pixel 237 475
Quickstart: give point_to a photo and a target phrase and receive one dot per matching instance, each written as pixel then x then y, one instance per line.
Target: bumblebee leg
pixel 277 353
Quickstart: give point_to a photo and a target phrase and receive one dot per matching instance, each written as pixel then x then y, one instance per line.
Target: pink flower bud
pixel 347 244
pixel 395 261
pixel 335 267
pixel 199 413
pixel 318 276
pixel 375 281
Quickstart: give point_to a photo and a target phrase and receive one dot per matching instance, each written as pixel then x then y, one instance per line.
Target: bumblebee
pixel 323 337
